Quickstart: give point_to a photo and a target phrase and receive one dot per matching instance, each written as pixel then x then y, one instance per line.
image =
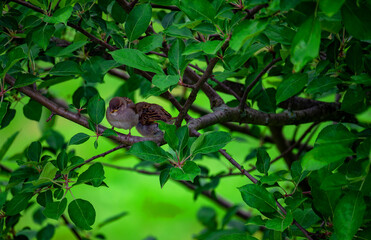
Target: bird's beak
pixel 114 110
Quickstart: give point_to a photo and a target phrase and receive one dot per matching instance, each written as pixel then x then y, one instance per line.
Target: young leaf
pixel 34 151
pixel 305 45
pixel 187 173
pixel 182 135
pixel 258 197
pixel 96 109
pixel 18 203
pixel 136 59
pixel 291 86
pixel 62 160
pixel 47 175
pixel 210 142
pixel 94 174
pixel 169 134
pixel 138 21
pixel 348 215
pixel 54 210
pixel 79 138
pixel 263 161
pixel 82 213
pixel 149 151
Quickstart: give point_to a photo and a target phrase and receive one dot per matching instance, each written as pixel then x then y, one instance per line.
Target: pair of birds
pixel 123 113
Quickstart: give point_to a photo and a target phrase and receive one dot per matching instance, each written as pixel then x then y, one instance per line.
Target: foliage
pixel 276 63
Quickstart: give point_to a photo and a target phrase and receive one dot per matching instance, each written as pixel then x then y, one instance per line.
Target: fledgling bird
pixel 148 115
pixel 121 113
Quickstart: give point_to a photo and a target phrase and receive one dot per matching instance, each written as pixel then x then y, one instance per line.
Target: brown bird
pixel 148 115
pixel 121 113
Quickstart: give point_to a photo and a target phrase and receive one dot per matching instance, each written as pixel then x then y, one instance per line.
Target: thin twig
pixel 71 227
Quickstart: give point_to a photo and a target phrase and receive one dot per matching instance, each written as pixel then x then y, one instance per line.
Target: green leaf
pixel 18 203
pixel 32 110
pixel 14 56
pixel 263 161
pixel 305 45
pixel 138 21
pixel 164 176
pixel 207 216
pixel 25 79
pixel 149 151
pixel 163 81
pixel 62 160
pixel 280 34
pixel 210 142
pixel 60 16
pixel 94 174
pixel 182 135
pixel 109 132
pixel 334 181
pixel 176 57
pixel 348 215
pixel 198 9
pixel 354 58
pixel 54 210
pixel 136 59
pixel 6 145
pixel 297 172
pixel 44 197
pixel 280 224
pixel 291 86
pixel 66 51
pixel 306 218
pixel 66 68
pixel 322 155
pixel 47 175
pixel 113 219
pixel 335 134
pixel 188 172
pixel 322 84
pixel 96 109
pixel 79 138
pixel 150 43
pixel 357 19
pixel 169 134
pixel 46 232
pixel 34 151
pixel 3 109
pixel 231 212
pixel 258 197
pixel 246 31
pixel 330 7
pixel 211 47
pixel 362 79
pixel 42 36
pixel 82 213
pixel 174 31
pixel 354 100
pixel 96 67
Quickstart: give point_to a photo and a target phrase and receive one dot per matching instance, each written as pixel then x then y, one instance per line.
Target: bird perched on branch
pixel 120 113
pixel 123 113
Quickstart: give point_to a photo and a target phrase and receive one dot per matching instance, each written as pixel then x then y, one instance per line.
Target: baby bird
pixel 149 113
pixel 121 113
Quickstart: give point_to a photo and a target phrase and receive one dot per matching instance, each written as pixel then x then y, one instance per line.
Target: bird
pixel 121 113
pixel 149 114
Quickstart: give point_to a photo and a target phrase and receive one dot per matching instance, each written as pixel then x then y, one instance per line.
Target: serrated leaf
pixel 188 172
pixel 47 175
pixel 210 142
pixel 96 109
pixel 163 81
pixel 82 213
pixel 246 31
pixel 258 197
pixel 149 151
pixel 54 210
pixel 198 9
pixel 136 59
pixel 79 138
pixel 291 86
pixel 138 21
pixel 150 43
pixel 94 174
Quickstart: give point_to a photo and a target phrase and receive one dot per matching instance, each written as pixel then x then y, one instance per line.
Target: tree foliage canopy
pixel 260 70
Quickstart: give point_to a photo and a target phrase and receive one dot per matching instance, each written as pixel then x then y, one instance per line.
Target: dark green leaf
pixel 362 79
pixel 210 142
pixel 46 233
pixel 291 86
pixel 138 21
pixel 136 59
pixel 305 45
pixel 306 217
pixel 94 174
pixel 149 151
pixel 96 109
pixel 62 160
pixel 67 51
pixel 188 172
pixel 334 181
pixel 25 79
pixel 82 213
pixel 18 203
pixel 60 16
pixel 169 134
pixel 117 14
pixel 34 151
pixel 297 172
pixel 113 219
pixel 349 215
pixel 357 19
pixel 42 36
pixel 258 197
pixel 207 216
pixel 280 34
pixel 3 109
pixel 280 223
pixel 263 161
pixel 164 176
pixel 198 9
pixel 163 81
pixel 174 31
pixel 335 134
pixel 5 147
pixel 354 100
pixel 44 197
pixel 176 57
pixel 96 67
pixel 246 31
pixel 330 7
pixel 54 210
pixel 354 58
pixel 79 139
pixel 182 135
pixel 150 43
pixel 322 84
pixel 32 110
pixel 109 132
pixel 66 68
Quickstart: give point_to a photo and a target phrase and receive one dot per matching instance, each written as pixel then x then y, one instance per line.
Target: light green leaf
pixel 60 16
pixel 94 174
pixel 305 45
pixel 246 30
pixel 210 142
pixel 136 59
pixel 198 9
pixel 149 151
pixel 47 175
pixel 163 81
pixel 291 86
pixel 187 173
pixel 138 21
pixel 258 197
pixel 82 213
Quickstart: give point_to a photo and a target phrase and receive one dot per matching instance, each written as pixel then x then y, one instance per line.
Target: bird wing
pixel 149 113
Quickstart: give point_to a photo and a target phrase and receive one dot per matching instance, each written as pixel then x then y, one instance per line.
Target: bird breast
pixel 125 119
